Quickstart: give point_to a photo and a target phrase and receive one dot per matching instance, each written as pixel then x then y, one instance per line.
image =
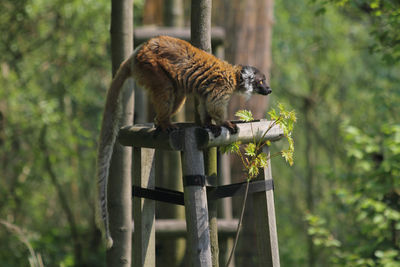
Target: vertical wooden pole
pixel 120 179
pixel 144 210
pixel 200 24
pixel 195 202
pixel 225 208
pixel 267 237
pixel 200 35
pixel 210 156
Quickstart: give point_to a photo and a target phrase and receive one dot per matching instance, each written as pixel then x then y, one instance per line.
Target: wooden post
pixel 144 210
pixel 120 179
pixel 225 210
pixel 195 202
pixel 200 36
pixel 210 156
pixel 267 237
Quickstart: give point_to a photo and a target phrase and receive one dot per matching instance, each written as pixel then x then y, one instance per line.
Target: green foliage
pixel 384 23
pixel 54 71
pixel 231 148
pixel 368 202
pixel 320 234
pixel 286 120
pixel 244 115
pixel 347 103
pixel 252 156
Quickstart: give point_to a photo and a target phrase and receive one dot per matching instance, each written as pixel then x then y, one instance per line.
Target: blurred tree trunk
pixel 153 12
pixel 119 185
pixel 173 13
pixel 249 32
pixel 248 27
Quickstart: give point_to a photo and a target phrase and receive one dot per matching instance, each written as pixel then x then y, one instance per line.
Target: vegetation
pixel 55 67
pixel 334 62
pixel 252 156
pixel 346 153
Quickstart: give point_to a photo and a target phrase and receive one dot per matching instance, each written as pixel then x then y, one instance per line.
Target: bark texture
pixel 119 185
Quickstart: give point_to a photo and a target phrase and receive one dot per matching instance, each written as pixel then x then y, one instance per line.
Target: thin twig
pixel 265 133
pixel 239 224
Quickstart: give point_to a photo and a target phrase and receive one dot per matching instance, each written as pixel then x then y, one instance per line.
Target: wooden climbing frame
pixel 191 140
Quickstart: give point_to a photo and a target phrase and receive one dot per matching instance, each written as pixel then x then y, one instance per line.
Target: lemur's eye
pixel 261 82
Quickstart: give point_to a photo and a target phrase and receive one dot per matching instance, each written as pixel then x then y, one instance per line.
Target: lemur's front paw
pixel 169 129
pixel 232 127
pixel 215 129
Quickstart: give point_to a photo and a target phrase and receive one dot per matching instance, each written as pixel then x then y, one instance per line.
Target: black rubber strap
pixel 213 193
pixel 159 194
pixel 239 189
pixel 194 180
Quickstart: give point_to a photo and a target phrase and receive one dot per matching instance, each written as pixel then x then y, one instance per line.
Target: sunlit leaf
pixel 262 160
pixel 244 115
pixel 250 150
pixel 231 148
pixel 253 171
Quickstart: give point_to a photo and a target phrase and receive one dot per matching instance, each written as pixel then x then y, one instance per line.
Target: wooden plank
pixel 144 210
pixel 173 228
pixel 267 237
pixel 196 204
pixel 247 132
pixel 147 136
pixel 142 34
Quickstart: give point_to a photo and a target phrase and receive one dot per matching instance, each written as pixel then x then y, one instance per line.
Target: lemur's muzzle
pixel 265 90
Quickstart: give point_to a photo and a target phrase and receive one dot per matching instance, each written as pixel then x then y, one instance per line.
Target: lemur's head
pixel 252 81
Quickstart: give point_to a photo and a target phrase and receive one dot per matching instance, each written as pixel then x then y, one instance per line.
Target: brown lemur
pixel 170 69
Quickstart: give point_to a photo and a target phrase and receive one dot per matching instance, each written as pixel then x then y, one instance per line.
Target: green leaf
pixel 262 160
pixel 375 4
pixel 250 150
pixel 273 115
pixel 244 115
pixel 288 156
pixel 231 148
pixel 253 171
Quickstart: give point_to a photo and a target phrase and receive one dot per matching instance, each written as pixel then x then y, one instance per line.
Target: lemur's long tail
pixel 108 133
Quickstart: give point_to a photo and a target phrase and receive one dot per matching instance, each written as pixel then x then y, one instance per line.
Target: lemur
pixel 170 69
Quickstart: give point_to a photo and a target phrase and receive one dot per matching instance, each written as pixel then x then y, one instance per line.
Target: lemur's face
pixel 254 81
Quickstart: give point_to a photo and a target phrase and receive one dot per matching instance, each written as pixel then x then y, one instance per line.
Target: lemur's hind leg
pixel 179 100
pixel 164 107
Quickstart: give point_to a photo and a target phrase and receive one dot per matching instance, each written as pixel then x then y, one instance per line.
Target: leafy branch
pixel 251 155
